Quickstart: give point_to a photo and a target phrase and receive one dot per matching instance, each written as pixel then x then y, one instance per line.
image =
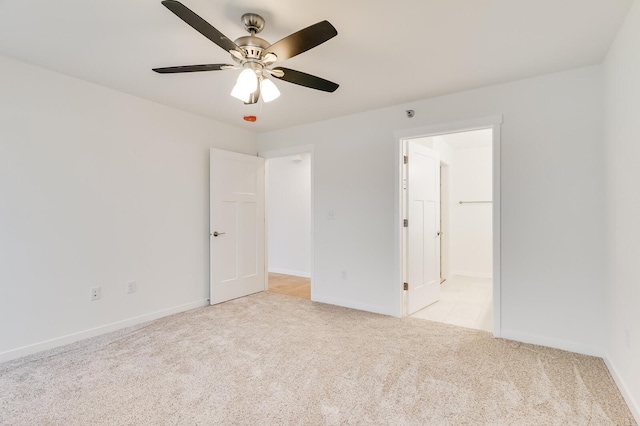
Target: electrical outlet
pixel 344 275
pixel 131 287
pixel 96 292
pixel 331 215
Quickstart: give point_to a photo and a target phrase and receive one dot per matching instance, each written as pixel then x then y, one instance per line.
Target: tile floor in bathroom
pixel 465 302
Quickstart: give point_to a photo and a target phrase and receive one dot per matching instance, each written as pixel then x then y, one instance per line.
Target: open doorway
pixel 288 195
pixel 462 262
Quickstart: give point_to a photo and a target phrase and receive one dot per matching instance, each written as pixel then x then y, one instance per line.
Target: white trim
pixel 497 228
pixel 552 343
pixel 285 152
pixel 290 272
pixel 634 406
pixel 383 310
pixel 398 227
pixel 92 332
pixel 491 122
pixel 454 127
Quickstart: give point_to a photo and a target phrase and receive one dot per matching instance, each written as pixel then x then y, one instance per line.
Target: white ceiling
pixel 386 53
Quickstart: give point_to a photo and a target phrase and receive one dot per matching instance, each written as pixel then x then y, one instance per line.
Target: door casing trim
pixel 285 152
pixel 492 122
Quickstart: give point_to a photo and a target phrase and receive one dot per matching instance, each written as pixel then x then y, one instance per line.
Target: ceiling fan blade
pixel 306 80
pixel 302 41
pixel 192 68
pixel 200 25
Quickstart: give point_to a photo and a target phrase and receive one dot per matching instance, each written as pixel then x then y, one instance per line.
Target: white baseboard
pixel 290 272
pixel 472 274
pixel 552 343
pixel 634 406
pixel 383 310
pixel 74 337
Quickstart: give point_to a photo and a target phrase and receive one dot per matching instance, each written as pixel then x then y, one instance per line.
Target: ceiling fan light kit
pixel 255 56
pixel 246 84
pixel 269 90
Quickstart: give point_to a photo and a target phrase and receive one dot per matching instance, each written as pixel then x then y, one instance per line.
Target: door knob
pixel 216 233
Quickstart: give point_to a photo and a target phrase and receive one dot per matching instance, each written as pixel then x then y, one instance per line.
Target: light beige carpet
pixel 269 359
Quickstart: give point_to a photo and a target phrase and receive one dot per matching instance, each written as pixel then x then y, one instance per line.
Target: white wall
pixel 98 188
pixel 289 214
pixel 552 211
pixel 471 224
pixel 622 177
pixel 438 144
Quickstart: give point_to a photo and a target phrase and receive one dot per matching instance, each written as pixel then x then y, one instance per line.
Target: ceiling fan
pixel 255 56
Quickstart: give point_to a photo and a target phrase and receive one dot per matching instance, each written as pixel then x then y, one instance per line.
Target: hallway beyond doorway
pixel 465 302
pixel 290 285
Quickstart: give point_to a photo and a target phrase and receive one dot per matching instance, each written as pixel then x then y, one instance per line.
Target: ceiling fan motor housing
pixel 254 46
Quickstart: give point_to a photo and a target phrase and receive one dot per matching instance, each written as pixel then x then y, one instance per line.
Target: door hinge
pixel 406 286
pixel 406 223
pixel 406 159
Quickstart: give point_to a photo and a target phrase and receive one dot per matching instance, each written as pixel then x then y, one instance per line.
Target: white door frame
pixel 494 123
pixel 286 152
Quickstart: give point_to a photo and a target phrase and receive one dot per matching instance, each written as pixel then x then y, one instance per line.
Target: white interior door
pixel 423 230
pixel 237 225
